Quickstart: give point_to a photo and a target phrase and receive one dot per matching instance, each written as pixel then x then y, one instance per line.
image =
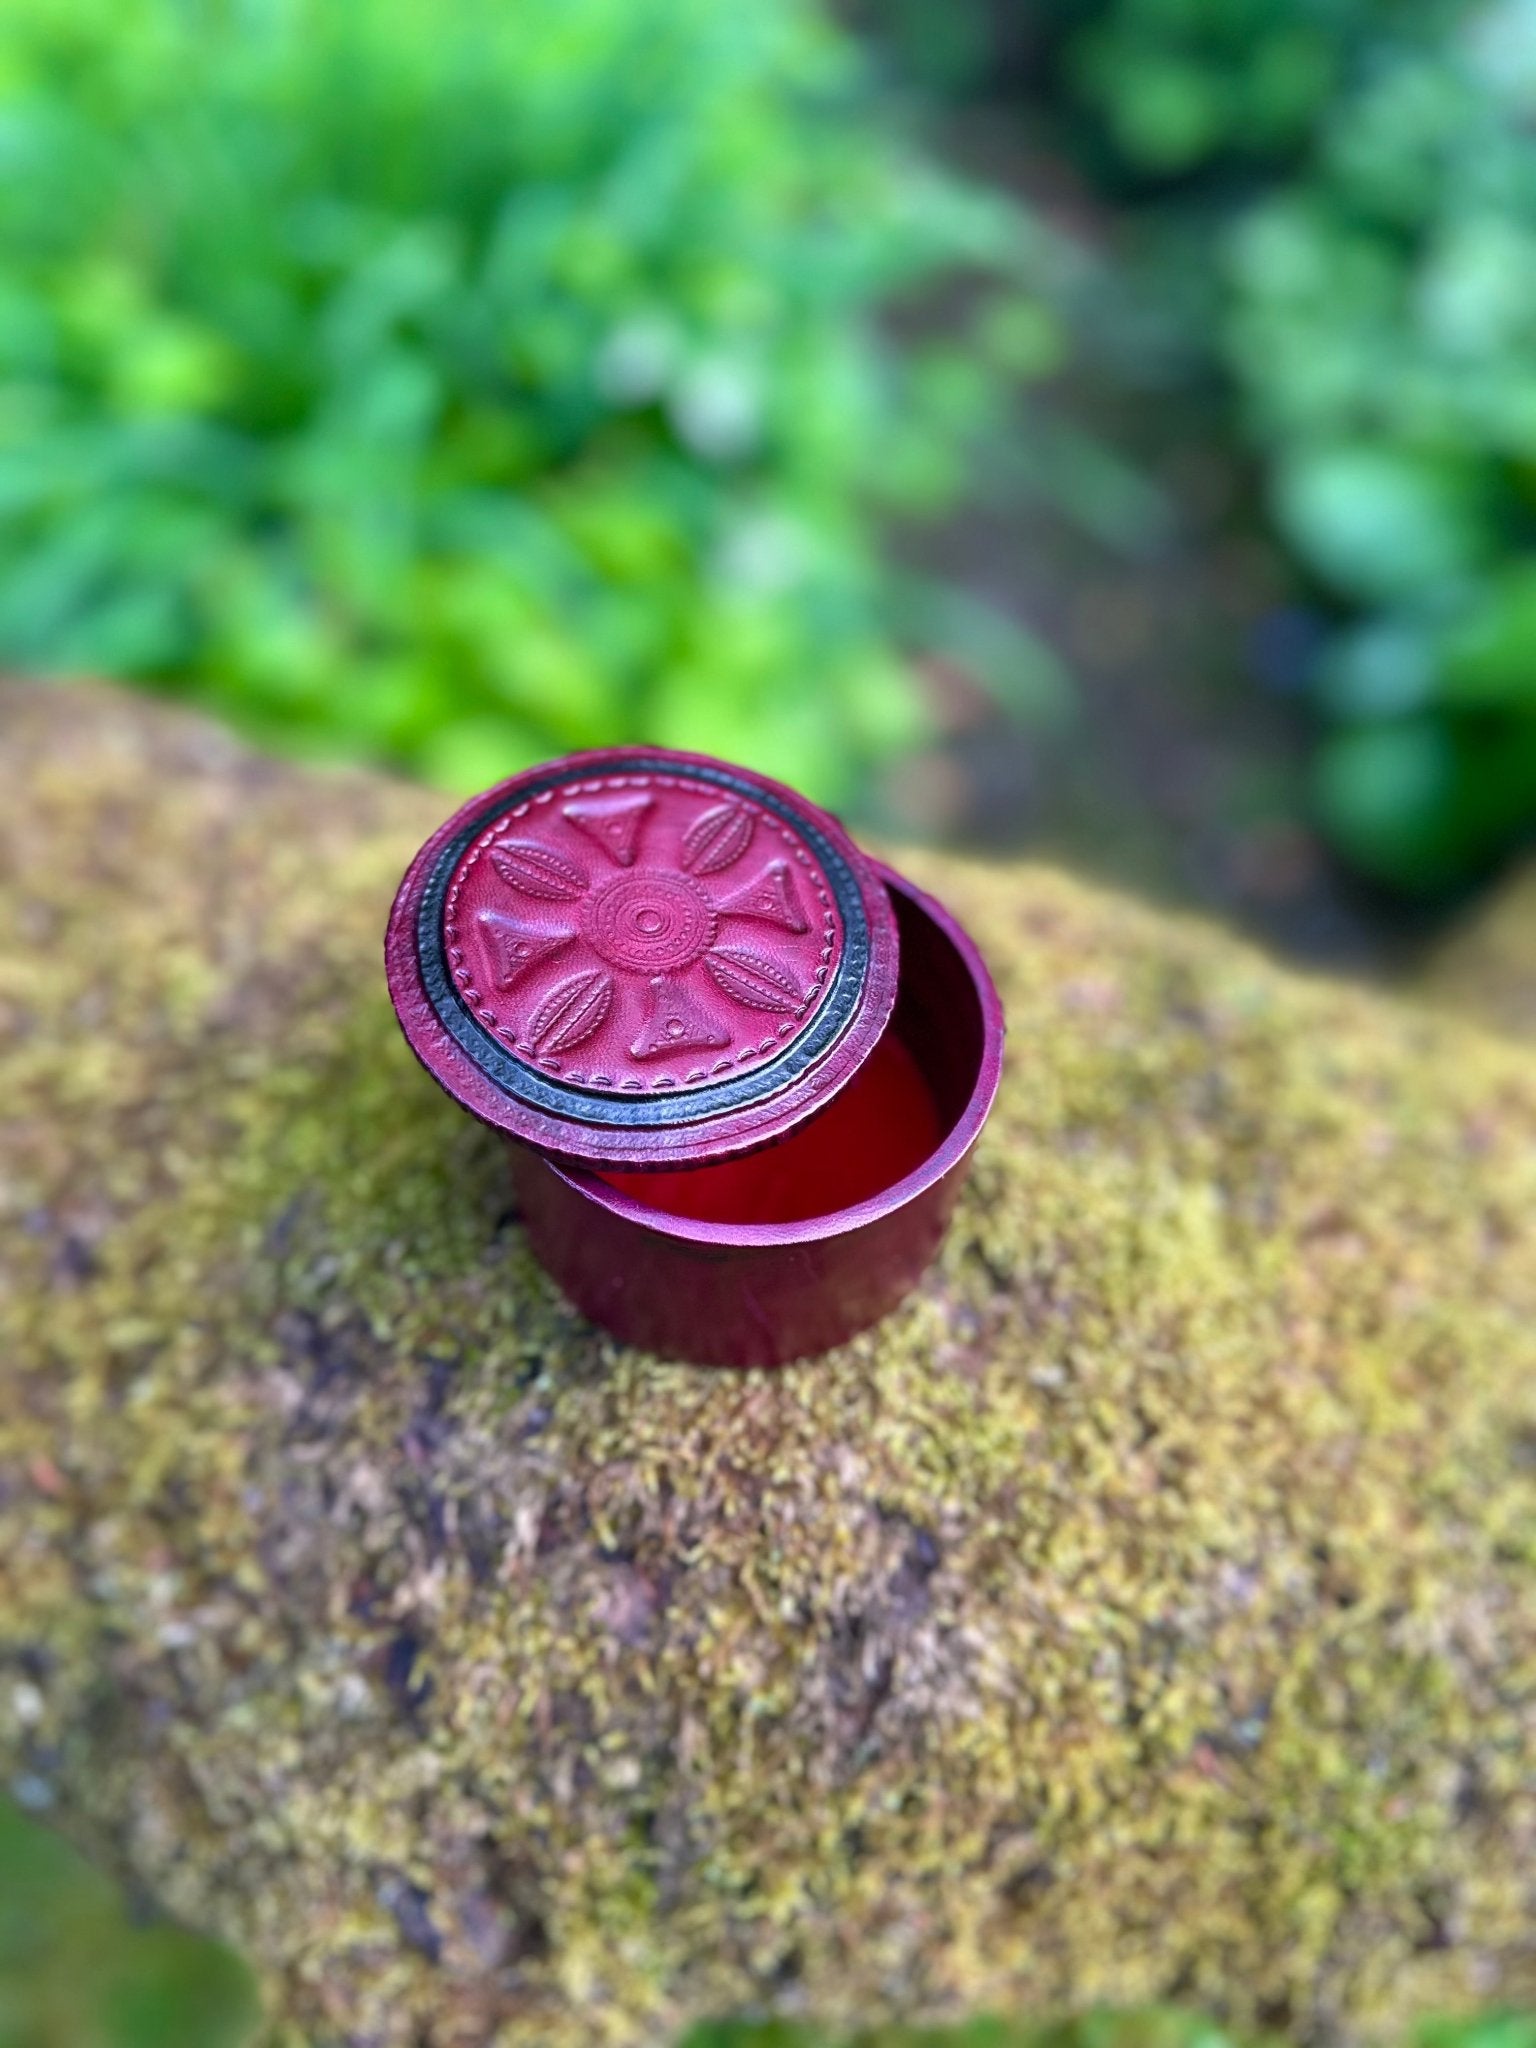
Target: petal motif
pixel 538 871
pixel 717 837
pixel 750 978
pixel 572 1011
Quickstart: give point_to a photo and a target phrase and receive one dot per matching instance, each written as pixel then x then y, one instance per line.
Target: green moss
pixel 1146 1611
pixel 1488 969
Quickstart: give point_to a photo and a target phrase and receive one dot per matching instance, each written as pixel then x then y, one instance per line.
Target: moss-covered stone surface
pixel 1488 969
pixel 1147 1611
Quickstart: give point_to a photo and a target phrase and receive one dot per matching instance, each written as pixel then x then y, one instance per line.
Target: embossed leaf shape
pixel 749 978
pixel 572 1011
pixel 717 837
pixel 538 871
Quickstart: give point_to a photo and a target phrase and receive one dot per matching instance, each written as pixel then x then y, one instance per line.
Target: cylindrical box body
pixel 721 1292
pixel 740 1063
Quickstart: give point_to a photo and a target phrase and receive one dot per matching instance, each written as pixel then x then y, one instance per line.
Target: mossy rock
pixel 1487 969
pixel 1147 1611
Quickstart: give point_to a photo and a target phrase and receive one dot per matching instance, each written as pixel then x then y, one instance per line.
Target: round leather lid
pixel 638 956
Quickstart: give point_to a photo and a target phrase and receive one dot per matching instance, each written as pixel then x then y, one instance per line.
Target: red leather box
pixel 741 1062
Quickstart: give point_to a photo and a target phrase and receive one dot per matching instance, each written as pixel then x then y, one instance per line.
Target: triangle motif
pixel 675 1021
pixel 513 948
pixel 770 897
pixel 611 822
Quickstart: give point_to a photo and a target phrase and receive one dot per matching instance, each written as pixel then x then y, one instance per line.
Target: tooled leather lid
pixel 641 957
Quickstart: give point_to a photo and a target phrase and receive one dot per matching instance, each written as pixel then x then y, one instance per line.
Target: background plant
pixel 1375 306
pixel 1382 327
pixel 1331 210
pixel 456 385
pixel 1174 89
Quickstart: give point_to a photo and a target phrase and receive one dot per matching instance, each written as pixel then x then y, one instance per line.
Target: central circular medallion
pixel 650 923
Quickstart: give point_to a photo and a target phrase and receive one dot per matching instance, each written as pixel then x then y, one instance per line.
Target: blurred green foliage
pixel 456 385
pixel 76 1973
pixel 1180 85
pixel 1351 187
pixel 1379 320
pixel 1383 331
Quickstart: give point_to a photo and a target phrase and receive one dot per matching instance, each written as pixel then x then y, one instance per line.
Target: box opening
pixel 882 1126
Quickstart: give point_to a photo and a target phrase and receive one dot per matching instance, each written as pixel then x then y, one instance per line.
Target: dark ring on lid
pixel 577 1104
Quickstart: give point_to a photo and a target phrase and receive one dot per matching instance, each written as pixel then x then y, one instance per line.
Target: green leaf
pixel 1384 795
pixel 480 352
pixel 75 1973
pixel 1479 2030
pixel 1378 523
pixel 1382 670
pixel 1491 662
pixel 467 754
pixel 1014 665
pixel 1428 804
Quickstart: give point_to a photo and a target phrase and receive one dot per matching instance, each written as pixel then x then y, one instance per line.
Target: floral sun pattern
pixel 640 932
